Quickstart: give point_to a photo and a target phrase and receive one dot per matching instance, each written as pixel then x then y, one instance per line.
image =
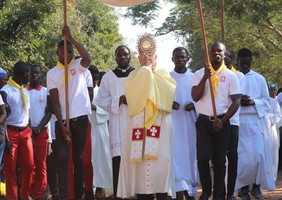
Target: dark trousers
pixel 115 166
pixel 52 177
pixel 78 129
pixel 212 145
pixel 232 156
pixel 280 150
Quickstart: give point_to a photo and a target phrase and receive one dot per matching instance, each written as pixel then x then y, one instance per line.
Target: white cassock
pixel 148 176
pixel 102 168
pixel 251 153
pixel 184 155
pixel 273 137
pixel 111 88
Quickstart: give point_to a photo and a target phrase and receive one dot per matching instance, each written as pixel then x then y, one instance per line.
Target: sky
pixel 165 44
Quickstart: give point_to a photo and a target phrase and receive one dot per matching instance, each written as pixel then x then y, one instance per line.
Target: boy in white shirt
pixel 79 108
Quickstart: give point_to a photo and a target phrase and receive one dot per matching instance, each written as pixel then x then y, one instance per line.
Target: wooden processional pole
pixel 66 66
pixel 222 21
pixel 206 54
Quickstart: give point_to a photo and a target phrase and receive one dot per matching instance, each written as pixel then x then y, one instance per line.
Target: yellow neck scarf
pixel 214 78
pixel 233 69
pixel 12 83
pixel 62 66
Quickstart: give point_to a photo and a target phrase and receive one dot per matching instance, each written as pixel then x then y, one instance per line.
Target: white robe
pixel 102 168
pixel 251 153
pixel 279 100
pixel 111 88
pixel 184 155
pixel 148 176
pixel 272 119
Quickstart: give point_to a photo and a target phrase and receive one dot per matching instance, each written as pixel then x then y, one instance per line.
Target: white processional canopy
pixel 124 3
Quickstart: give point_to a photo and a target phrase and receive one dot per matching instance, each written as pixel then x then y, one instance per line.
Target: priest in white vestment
pixel 184 117
pixel 110 97
pixel 146 167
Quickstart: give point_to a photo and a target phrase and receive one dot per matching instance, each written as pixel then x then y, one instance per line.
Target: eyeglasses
pixel 273 89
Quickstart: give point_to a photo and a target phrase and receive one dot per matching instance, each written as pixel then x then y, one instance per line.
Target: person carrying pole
pixel 79 108
pixel 213 130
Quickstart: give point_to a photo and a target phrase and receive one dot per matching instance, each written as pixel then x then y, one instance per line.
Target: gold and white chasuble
pixel 146 160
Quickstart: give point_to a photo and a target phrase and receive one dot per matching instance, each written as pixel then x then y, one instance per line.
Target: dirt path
pixel 276 194
pixel 268 195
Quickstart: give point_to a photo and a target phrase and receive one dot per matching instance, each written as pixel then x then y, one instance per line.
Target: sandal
pixel 99 196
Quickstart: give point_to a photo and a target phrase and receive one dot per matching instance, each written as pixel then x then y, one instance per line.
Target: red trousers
pixel 88 170
pixel 40 145
pixel 21 156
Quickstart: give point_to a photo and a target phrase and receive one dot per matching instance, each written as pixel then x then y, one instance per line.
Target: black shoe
pixel 180 195
pixel 205 196
pixel 245 196
pixel 256 192
pixel 89 196
pixel 187 197
pixel 56 197
pixel 99 196
pixel 190 198
pixel 243 190
pixel 230 197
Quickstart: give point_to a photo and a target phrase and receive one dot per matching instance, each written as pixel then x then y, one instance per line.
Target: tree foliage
pixel 31 29
pixel 101 28
pixel 20 27
pixel 142 14
pixel 255 24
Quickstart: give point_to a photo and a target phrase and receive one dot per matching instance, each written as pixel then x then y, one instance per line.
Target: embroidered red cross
pixel 137 134
pixel 154 131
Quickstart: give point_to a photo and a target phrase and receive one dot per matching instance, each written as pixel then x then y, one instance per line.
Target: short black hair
pixel 180 49
pixel 122 46
pixel 77 57
pixel 244 52
pixel 61 44
pixel 35 65
pixel 231 52
pixel 93 69
pixel 20 67
pixel 219 43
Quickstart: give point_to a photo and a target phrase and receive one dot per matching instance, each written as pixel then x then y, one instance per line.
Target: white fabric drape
pixel 124 3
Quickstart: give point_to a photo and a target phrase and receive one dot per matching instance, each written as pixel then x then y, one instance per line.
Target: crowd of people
pixel 139 132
